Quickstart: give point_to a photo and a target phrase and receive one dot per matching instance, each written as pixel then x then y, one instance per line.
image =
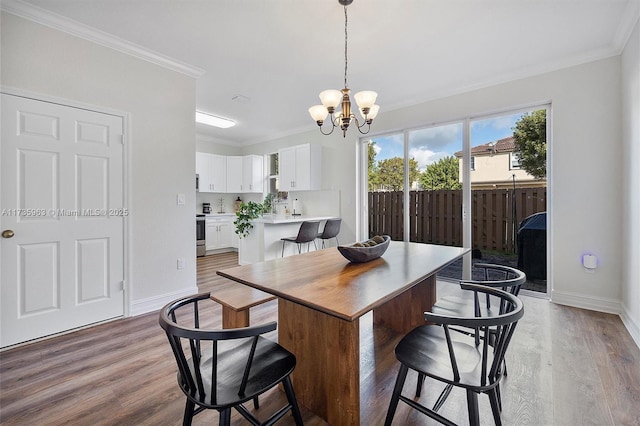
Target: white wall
pixel 631 184
pixel 161 142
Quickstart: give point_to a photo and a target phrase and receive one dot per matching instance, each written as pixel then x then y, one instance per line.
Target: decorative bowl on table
pixel 366 250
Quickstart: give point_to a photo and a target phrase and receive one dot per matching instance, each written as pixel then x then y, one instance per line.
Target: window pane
pixel 386 183
pixel 505 191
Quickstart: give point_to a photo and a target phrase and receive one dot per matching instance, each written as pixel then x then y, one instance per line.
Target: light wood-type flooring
pixel 566 366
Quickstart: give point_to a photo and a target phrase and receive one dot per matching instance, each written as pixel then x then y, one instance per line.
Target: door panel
pixel 38 278
pixel 92 275
pixel 37 183
pixel 62 195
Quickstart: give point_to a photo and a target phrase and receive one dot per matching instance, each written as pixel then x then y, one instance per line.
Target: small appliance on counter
pixel 236 205
pixel 206 208
pixel 297 207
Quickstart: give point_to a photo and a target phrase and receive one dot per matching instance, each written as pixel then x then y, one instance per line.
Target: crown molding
pixel 75 28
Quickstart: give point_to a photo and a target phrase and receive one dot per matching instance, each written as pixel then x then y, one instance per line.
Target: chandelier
pixel 366 100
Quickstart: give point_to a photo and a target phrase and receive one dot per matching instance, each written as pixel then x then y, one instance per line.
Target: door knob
pixel 7 233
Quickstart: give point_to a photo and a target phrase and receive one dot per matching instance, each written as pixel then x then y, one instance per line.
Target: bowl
pixel 364 254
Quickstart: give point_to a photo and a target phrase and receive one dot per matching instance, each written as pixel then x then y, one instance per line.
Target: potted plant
pixel 268 202
pixel 248 212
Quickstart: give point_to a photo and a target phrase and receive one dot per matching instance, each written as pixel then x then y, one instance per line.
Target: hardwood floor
pixel 567 366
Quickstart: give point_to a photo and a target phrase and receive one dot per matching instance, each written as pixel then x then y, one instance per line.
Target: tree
pixel 373 168
pixel 391 173
pixel 530 135
pixel 442 174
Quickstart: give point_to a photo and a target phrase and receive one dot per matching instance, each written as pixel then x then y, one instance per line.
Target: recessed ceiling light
pixel 213 120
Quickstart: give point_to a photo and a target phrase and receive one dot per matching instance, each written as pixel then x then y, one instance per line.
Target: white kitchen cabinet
pixel 235 174
pixel 253 173
pixel 212 171
pixel 220 233
pixel 300 168
pixel 202 170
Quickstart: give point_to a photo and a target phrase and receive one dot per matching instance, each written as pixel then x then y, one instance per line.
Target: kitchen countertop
pixel 219 214
pixel 290 219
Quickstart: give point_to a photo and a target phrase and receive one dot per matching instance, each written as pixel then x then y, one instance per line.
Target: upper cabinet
pixel 300 168
pixel 234 174
pixel 212 170
pixel 253 175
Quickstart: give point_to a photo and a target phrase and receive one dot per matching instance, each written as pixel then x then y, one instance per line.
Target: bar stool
pixel 331 230
pixel 308 233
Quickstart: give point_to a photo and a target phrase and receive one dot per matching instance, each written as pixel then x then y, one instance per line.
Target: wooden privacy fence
pixel 436 216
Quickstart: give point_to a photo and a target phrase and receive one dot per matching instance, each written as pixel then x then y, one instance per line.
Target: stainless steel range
pixel 200 235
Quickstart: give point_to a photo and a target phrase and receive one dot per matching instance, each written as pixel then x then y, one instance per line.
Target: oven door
pixel 201 237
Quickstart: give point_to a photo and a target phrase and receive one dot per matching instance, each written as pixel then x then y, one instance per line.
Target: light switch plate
pixel 181 199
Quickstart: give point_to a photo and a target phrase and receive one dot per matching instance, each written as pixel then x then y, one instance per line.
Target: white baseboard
pixel 576 300
pixel 601 305
pixel 632 326
pixel 155 303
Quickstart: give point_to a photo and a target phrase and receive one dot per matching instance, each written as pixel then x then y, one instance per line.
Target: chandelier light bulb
pixel 318 113
pixel 330 98
pixel 373 112
pixel 365 99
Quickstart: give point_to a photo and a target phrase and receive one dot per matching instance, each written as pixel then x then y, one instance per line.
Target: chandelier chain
pixel 345 47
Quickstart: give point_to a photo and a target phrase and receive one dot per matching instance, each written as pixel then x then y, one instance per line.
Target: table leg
pixel 232 318
pixel 405 312
pixel 327 375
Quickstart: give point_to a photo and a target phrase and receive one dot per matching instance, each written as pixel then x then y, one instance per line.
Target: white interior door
pixel 62 218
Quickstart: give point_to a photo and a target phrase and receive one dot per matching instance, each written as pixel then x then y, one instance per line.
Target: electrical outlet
pixel 181 263
pixel 181 199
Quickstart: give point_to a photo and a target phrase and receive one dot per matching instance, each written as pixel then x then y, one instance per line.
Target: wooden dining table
pixel 321 297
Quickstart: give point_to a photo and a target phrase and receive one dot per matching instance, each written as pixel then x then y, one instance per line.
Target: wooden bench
pixel 236 299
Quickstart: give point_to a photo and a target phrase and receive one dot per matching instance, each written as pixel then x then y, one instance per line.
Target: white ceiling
pixel 281 53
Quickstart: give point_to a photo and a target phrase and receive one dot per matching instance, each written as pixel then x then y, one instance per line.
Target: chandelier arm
pixel 368 129
pixel 333 126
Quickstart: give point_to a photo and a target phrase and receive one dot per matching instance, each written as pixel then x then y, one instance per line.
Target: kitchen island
pixel 263 242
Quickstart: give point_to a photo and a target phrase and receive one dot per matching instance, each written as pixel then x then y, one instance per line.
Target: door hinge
pixel 123 285
pixel 121 137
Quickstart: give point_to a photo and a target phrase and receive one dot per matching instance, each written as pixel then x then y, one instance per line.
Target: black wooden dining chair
pixel 331 230
pixel 307 233
pixel 222 369
pixel 496 276
pixel 470 304
pixel 456 359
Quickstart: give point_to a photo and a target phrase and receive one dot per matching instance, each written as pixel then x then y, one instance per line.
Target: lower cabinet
pixel 220 233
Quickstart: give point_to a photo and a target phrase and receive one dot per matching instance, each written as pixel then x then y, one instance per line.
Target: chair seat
pixel 463 307
pixel 424 349
pixel 271 364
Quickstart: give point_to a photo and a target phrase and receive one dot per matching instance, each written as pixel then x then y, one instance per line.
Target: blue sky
pixel 431 144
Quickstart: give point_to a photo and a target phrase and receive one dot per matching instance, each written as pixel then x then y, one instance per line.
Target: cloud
pixel 377 148
pixel 425 157
pixel 438 138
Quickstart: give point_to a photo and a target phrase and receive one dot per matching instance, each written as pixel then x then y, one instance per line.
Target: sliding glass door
pixel 508 181
pixel 478 183
pixel 414 186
